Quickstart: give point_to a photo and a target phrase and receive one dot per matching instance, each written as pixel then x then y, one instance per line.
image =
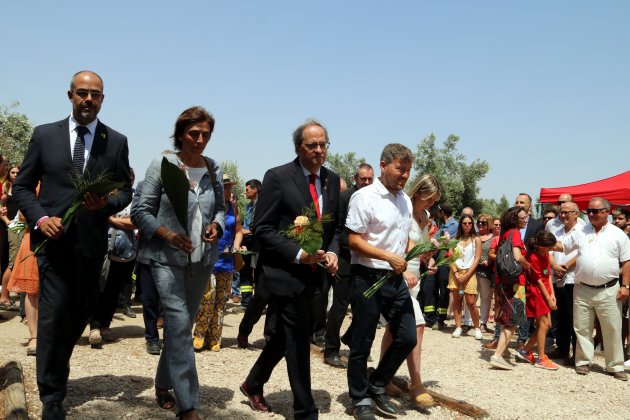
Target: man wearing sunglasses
pixel 71 263
pixel 554 224
pixel 602 248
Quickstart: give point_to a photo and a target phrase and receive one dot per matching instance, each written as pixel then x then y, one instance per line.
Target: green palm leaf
pixel 176 187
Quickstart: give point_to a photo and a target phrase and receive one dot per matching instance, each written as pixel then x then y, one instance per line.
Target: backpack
pixel 507 267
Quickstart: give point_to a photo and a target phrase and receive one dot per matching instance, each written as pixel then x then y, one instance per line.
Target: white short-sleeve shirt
pixel 383 219
pixel 599 254
pixel 563 257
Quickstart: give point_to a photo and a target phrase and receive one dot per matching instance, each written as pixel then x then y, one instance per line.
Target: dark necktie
pixel 78 154
pixel 313 190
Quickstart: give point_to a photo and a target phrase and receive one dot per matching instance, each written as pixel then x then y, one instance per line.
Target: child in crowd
pixel 540 299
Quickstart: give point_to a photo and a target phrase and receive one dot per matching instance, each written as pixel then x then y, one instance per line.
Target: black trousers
pixel 565 334
pixel 291 339
pixel 119 274
pixel 150 301
pixel 254 312
pixel 318 298
pixel 434 296
pixel 394 303
pixel 68 292
pixel 247 281
pixel 337 312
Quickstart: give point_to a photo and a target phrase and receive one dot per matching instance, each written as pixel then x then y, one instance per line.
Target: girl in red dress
pixel 540 299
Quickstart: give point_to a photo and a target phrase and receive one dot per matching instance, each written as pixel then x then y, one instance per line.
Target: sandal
pixel 31 350
pixel 164 399
pixel 198 342
pixel 422 400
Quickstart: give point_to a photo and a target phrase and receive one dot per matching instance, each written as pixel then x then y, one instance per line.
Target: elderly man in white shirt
pixel 563 265
pixel 601 247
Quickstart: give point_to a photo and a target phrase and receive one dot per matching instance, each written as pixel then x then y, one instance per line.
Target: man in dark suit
pixel 285 271
pixel 70 264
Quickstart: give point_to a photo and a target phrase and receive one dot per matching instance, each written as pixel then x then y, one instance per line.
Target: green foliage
pixel 492 207
pixel 457 177
pixel 176 187
pixel 231 169
pixel 15 133
pixel 344 165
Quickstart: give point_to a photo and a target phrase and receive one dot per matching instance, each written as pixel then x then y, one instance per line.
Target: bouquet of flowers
pixel 307 230
pixel 432 245
pixel 102 185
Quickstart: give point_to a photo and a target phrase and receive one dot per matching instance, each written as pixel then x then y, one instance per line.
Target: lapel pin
pixel 103 135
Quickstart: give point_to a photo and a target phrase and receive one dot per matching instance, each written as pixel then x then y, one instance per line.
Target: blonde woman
pixel 424 193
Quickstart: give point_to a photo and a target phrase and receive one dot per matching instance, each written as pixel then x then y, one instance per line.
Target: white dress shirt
pixel 563 257
pixel 599 253
pixel 383 219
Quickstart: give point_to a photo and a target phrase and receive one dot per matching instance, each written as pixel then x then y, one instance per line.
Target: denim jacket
pixel 154 210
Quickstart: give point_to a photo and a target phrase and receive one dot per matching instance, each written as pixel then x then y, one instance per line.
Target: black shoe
pixel 363 412
pixel 383 405
pixel 53 410
pixel 335 361
pixel 441 326
pixel 319 342
pixel 153 347
pixel 127 311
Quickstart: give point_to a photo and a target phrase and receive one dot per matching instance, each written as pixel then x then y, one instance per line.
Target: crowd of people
pixel 558 283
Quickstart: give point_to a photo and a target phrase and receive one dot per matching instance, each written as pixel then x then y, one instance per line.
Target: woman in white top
pixel 424 193
pixel 462 281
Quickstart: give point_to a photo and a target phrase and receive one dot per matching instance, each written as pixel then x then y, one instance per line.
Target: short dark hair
pixel 394 151
pixel 542 238
pixel 254 184
pixel 446 208
pixel 192 115
pixel 298 132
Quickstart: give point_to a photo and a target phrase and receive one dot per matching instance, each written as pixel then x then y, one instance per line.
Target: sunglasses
pixel 595 211
pixel 548 218
pixel 560 202
pixel 565 213
pixel 466 223
pixel 482 223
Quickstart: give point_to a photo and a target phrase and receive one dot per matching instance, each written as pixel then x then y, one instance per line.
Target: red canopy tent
pixel 615 189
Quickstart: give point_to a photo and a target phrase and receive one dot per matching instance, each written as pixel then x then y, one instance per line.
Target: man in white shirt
pixel 554 224
pixel 563 281
pixel 601 247
pixel 378 222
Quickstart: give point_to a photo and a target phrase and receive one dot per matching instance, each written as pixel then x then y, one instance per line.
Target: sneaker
pixel 546 363
pixel 526 356
pixel 499 363
pixel 478 334
pixel 457 333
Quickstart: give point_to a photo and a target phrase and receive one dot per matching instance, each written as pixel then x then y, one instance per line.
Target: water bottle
pixel 461 290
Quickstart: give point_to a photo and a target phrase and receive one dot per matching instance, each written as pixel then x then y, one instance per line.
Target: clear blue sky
pixel 540 90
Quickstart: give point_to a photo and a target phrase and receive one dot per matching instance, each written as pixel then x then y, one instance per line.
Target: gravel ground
pixel 117 381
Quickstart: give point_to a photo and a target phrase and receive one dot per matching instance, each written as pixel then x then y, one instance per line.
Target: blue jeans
pixel 236 284
pixel 180 294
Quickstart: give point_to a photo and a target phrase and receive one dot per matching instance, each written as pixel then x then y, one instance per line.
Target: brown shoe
pixel 108 335
pixel 256 401
pixel 582 370
pixel 621 376
pixel 492 345
pixel 241 341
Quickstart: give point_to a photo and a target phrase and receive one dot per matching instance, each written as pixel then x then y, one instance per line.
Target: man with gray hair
pixel 378 224
pixel 601 247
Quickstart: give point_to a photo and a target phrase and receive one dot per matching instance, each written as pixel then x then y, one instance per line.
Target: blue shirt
pixel 449 226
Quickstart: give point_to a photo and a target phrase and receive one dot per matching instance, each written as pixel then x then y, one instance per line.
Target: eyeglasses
pixel 548 218
pixel 84 93
pixel 595 211
pixel 466 223
pixel 497 225
pixel 566 213
pixel 482 223
pixel 312 146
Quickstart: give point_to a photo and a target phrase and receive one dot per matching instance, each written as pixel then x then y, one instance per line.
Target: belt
pixel 360 268
pixel 603 286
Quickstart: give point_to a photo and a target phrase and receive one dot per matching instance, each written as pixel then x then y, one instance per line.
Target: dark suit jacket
pixel 284 196
pixel 533 227
pixel 49 160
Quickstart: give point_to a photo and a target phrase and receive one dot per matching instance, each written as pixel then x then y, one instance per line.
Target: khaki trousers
pixel 587 303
